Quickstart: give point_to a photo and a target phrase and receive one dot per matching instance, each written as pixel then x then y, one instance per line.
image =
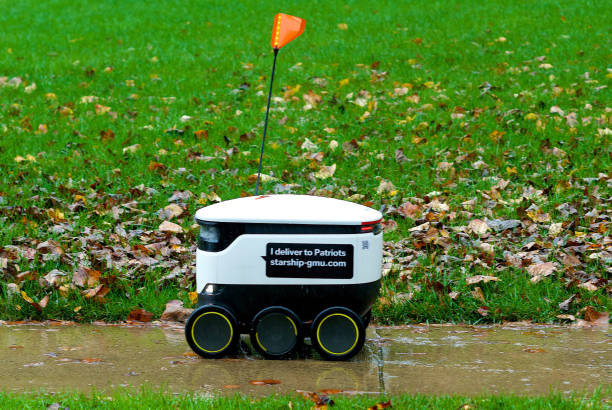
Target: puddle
pixel 418 359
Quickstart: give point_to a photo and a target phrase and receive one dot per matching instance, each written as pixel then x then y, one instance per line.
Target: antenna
pixel 285 29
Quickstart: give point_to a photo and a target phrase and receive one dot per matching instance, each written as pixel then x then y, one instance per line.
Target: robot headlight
pixel 209 233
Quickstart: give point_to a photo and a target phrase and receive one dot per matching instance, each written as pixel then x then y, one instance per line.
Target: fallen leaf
pixel 565 304
pixel 325 172
pixel 381 405
pixel 590 286
pixel 534 350
pixel 385 187
pixel 131 149
pixel 481 278
pixel 264 382
pixel 409 210
pixel 90 360
pixel 478 227
pixel 539 271
pixel 477 293
pixel 140 315
pixel 502 225
pixel 570 260
pixel 595 317
pixel 483 311
pixel 171 227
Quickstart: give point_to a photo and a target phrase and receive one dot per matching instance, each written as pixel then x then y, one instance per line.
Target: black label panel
pixel 309 260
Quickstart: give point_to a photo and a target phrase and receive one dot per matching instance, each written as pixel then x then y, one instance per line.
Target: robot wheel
pixel 212 331
pixel 276 332
pixel 337 333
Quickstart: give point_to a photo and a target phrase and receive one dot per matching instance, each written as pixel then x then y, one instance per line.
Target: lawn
pixel 481 129
pixel 147 399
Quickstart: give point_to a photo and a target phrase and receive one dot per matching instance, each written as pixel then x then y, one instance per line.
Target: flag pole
pixel 263 140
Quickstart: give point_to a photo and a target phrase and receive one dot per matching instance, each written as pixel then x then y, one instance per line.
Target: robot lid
pixel 289 209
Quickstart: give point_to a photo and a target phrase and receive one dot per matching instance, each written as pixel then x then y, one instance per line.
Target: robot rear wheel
pixel 276 332
pixel 338 333
pixel 212 331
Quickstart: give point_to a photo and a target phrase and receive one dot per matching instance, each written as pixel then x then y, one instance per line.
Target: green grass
pixel 502 65
pixel 147 399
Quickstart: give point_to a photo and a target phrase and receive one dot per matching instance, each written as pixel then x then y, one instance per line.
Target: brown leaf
pixel 595 317
pixel 478 227
pixel 534 350
pixel 409 210
pixel 43 302
pixel 264 382
pixel 156 166
pixel 140 315
pixel 107 135
pixel 389 225
pixel 483 311
pixel 481 278
pixel 477 293
pixel 565 304
pixel 540 270
pixel 90 360
pixel 86 277
pixel 171 227
pixel 570 260
pixel 231 386
pixel 51 247
pixel 201 134
pixel 381 405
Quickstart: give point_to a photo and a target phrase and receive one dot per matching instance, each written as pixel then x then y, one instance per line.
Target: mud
pixel 419 359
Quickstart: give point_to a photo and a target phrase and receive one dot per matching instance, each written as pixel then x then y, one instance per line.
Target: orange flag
pixel 286 28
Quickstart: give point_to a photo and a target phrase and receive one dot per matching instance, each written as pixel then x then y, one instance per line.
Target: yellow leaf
pixel 343 26
pixel 50 96
pixel 344 82
pixel 26 297
pixel 531 116
pixel 193 297
pixel 76 309
pixel 19 159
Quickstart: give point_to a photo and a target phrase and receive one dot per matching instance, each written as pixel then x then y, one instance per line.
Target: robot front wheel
pixel 212 331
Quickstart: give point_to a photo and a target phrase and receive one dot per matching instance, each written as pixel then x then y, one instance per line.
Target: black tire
pixel 337 333
pixel 276 332
pixel 212 331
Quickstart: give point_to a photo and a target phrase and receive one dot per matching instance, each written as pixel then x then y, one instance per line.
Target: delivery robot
pixel 284 267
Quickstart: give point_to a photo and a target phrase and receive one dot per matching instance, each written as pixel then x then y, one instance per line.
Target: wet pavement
pixel 416 359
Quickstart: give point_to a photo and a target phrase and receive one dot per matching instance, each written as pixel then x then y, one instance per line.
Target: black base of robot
pixel 278 317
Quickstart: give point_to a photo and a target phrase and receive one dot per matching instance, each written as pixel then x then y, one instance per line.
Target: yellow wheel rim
pixel 228 323
pixel 356 334
pixel 294 331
